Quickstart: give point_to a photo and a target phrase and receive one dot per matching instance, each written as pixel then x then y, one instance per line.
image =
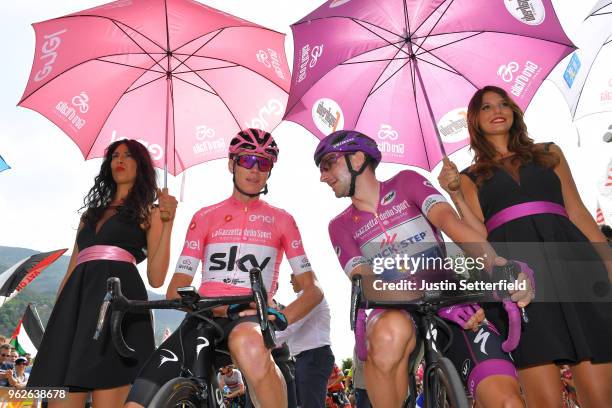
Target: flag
pixel 29 332
pixel 599 217
pixel 3 165
pixel 18 276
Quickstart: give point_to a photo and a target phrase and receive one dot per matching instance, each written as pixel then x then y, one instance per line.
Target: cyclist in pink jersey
pixel 230 238
pixel 405 215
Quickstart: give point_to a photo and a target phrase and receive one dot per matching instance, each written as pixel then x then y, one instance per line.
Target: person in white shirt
pixel 309 342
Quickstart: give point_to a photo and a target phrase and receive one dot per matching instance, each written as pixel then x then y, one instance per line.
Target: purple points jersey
pixel 399 227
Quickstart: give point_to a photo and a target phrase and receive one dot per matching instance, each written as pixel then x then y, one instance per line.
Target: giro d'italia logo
pixel 327 116
pixel 337 3
pixel 531 12
pixel 453 126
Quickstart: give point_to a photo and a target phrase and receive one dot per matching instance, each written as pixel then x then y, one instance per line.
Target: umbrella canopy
pixel 181 77
pixel 585 77
pixel 18 276
pixel 403 71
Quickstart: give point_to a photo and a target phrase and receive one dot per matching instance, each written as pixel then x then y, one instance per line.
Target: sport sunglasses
pixel 248 161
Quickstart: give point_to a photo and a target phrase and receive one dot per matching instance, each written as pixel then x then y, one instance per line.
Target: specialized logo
pixel 69 110
pixel 156 151
pixel 268 115
pixel 427 183
pixel 388 198
pixel 465 368
pixel 309 58
pixel 49 53
pixel 296 243
pixel 453 126
pixel 201 345
pixel 337 3
pixel 572 69
pixel 270 59
pixel 165 359
pixel 387 135
pixel 227 260
pixel 482 338
pixel 520 82
pixel 261 218
pixel 327 116
pixel 530 12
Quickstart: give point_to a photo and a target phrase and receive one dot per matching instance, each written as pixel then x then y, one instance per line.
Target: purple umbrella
pixel 404 71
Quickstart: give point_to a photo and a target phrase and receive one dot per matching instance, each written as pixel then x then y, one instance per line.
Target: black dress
pixel 562 331
pixel 68 355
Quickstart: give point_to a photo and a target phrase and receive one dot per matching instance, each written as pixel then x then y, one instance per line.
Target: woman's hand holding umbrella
pixel 167 205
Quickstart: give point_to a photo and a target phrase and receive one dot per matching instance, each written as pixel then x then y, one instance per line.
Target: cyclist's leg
pixel 391 337
pixel 164 364
pixel 486 370
pixel 593 383
pixel 247 348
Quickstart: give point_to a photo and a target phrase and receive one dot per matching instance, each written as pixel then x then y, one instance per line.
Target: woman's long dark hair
pixel 519 142
pixel 137 205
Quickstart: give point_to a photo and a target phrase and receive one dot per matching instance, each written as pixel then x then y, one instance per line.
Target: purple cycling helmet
pixel 348 141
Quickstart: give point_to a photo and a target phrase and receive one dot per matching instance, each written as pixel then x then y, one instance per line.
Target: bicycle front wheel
pixel 444 387
pixel 185 393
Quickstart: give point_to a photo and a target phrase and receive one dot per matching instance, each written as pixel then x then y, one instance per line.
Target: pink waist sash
pixel 104 253
pixel 524 210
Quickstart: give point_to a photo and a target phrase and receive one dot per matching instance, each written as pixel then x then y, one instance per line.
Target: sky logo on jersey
pixel 388 198
pixel 245 263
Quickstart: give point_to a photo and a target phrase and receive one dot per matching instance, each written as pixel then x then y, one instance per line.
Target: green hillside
pixel 43 289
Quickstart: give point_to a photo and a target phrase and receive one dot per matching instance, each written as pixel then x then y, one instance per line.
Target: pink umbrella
pixel 179 76
pixel 404 71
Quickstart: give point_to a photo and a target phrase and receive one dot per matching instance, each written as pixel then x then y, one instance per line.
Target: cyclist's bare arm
pixel 312 295
pixel 178 280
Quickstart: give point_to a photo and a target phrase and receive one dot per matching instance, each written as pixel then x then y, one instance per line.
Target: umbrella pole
pixel 165 216
pixel 453 185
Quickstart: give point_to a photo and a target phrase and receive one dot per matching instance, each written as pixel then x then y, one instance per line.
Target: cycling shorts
pixel 476 355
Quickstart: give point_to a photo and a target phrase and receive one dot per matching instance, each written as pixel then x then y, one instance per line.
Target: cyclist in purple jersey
pixel 395 217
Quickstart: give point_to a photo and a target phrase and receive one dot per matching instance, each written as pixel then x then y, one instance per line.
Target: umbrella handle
pixel 453 185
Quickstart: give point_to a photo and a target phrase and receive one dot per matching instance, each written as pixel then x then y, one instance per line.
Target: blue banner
pixel 3 165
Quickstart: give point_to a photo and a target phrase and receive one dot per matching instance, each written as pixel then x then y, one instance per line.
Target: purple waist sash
pixel 104 253
pixel 524 210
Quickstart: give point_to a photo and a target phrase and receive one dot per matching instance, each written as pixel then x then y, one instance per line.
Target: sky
pixel 41 193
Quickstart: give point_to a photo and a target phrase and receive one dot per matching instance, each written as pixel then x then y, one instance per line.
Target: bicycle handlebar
pixel 437 300
pixel 189 300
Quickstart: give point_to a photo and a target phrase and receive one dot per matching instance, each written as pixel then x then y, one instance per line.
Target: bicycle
pixel 196 386
pixel 441 382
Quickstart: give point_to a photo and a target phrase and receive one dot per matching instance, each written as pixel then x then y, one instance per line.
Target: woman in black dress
pixel 522 196
pixel 119 229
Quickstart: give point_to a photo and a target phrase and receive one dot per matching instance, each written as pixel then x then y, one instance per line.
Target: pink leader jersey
pixel 231 237
pixel 399 226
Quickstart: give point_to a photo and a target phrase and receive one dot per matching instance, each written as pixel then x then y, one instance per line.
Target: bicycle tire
pixel 184 393
pixel 444 388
